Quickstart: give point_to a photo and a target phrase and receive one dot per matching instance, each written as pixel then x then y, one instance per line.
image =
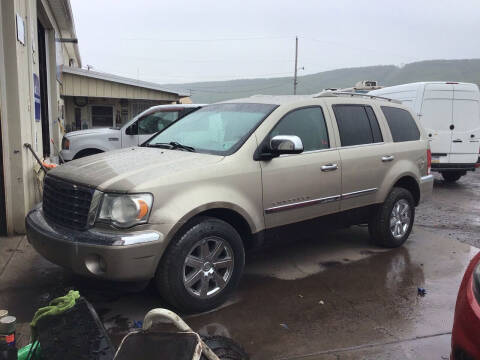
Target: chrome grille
pixel 65 203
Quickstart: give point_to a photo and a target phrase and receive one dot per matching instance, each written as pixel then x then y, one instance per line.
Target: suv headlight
pixel 125 210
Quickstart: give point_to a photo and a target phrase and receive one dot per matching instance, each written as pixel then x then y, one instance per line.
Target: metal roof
pixel 120 80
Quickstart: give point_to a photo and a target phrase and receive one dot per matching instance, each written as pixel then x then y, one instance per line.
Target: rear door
pixel 365 157
pixel 466 122
pixel 436 117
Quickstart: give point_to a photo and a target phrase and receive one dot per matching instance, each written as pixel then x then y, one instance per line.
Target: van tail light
pixel 429 161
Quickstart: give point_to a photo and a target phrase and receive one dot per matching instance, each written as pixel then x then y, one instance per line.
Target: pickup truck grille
pixel 65 203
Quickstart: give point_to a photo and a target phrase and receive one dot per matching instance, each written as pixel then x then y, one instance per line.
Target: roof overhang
pixel 76 79
pixel 62 12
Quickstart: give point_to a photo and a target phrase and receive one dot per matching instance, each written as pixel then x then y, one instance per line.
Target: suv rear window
pixel 401 123
pixel 357 124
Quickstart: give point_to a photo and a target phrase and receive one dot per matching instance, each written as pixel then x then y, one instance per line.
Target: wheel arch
pixel 89 150
pixel 409 183
pixel 229 213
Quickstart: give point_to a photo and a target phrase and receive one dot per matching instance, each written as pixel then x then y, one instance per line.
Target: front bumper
pixel 426 187
pixel 67 155
pixel 127 256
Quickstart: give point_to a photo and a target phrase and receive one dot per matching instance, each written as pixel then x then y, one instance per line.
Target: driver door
pixel 307 185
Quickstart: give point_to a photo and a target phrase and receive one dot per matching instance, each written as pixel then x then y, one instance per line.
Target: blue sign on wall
pixel 36 95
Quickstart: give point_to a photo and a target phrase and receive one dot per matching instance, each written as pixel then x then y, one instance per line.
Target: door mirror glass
pixel 131 130
pixel 286 144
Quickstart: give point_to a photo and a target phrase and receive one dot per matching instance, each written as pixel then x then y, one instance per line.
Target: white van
pixel 450 114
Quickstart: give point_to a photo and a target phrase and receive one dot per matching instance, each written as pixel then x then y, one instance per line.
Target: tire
pixel 182 284
pixel 451 177
pixel 225 348
pixel 379 225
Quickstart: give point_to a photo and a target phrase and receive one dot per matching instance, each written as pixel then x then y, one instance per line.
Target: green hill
pixel 449 70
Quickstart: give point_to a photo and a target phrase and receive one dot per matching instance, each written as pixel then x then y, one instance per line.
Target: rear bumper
pixel 448 167
pixel 426 187
pixel 128 256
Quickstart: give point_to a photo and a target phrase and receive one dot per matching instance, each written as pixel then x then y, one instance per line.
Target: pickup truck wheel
pixel 451 177
pixel 391 223
pixel 202 266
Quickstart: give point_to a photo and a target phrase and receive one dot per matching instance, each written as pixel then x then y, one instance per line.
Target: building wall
pixel 123 110
pixel 75 85
pixel 18 63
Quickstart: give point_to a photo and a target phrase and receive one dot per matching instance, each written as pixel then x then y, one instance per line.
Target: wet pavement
pixel 324 296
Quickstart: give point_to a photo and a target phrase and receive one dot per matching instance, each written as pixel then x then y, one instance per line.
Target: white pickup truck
pixel 77 144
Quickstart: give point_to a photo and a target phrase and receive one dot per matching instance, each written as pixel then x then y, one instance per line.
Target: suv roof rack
pixel 352 94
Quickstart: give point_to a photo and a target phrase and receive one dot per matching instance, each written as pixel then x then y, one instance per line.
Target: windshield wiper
pixel 173 145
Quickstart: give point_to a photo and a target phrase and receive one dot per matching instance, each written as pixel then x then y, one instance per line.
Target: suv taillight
pixel 429 161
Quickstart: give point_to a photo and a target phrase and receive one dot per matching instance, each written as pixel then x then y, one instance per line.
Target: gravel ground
pixel 454 209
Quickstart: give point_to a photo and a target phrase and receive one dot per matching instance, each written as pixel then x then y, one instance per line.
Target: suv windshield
pixel 217 129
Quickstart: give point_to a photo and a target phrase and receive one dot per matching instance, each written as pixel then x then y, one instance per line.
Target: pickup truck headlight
pixel 65 143
pixel 125 210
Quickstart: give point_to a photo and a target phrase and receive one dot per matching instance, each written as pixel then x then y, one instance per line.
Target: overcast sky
pixel 186 41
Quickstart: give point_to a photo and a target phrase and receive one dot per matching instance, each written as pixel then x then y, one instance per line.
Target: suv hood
pixel 91 132
pixel 124 169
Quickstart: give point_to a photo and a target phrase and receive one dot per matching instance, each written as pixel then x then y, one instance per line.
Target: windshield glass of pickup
pixel 217 129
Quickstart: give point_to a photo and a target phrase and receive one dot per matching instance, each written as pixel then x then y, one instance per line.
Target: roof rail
pixel 352 94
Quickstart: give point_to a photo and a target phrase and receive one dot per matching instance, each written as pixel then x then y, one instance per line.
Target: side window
pixel 401 123
pixel 308 124
pixel 357 125
pixel 155 122
pixel 377 134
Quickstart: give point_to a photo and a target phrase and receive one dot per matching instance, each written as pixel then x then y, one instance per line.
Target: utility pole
pixel 296 61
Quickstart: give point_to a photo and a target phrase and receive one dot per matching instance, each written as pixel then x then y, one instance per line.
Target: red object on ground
pixel 466 324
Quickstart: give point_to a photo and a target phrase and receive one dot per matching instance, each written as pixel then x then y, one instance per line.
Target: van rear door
pixel 466 121
pixel 436 117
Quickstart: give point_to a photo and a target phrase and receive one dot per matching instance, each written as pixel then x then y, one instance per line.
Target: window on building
pixel 357 125
pixel 401 123
pixel 152 123
pixel 308 124
pixel 102 116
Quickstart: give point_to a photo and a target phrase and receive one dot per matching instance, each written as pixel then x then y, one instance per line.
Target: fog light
pixel 96 264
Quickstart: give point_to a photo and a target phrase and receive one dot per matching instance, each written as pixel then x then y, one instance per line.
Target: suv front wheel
pixel 391 222
pixel 202 265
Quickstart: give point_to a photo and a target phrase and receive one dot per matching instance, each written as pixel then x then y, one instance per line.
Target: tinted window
pixel 308 124
pixel 377 134
pixel 401 123
pixel 357 125
pixel 155 122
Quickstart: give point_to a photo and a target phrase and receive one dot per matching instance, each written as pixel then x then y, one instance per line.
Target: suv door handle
pixel 388 158
pixel 329 167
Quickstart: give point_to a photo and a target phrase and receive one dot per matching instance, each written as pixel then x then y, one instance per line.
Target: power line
pixel 208 40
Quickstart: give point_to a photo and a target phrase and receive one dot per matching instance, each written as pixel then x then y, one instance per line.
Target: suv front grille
pixel 65 203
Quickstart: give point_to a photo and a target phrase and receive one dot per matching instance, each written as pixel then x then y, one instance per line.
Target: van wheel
pixel 202 266
pixel 451 177
pixel 391 223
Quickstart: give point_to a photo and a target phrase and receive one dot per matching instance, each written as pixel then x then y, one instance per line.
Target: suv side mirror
pixel 286 144
pixel 132 129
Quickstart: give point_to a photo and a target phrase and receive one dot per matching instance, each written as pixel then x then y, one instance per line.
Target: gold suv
pixel 182 207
